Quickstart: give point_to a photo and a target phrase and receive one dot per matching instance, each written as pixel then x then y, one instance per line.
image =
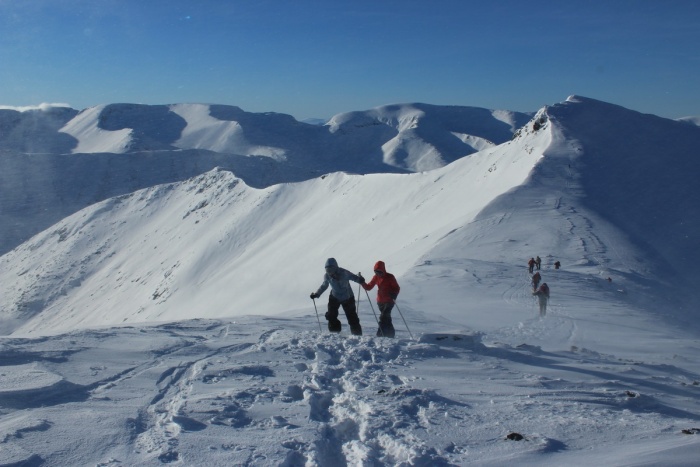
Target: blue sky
pixel 312 58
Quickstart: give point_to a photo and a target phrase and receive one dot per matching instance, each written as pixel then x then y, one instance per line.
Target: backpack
pixel 544 288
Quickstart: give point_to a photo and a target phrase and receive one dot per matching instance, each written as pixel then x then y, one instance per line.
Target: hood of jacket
pixel 331 265
pixel 379 266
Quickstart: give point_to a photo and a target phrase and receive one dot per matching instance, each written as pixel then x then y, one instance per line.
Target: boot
pixel 386 331
pixel 334 326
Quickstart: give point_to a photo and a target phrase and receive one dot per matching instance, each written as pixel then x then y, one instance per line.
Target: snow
pixel 57 161
pixel 419 140
pixel 691 120
pixel 91 138
pixel 205 132
pixel 25 378
pixel 172 325
pixel 274 391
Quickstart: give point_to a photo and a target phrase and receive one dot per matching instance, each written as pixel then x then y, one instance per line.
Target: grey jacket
pixel 338 278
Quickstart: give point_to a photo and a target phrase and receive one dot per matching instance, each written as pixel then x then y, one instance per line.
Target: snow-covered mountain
pixel 235 369
pixel 580 165
pixel 55 161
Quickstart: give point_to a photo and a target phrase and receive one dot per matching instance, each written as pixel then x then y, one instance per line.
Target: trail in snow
pixel 265 391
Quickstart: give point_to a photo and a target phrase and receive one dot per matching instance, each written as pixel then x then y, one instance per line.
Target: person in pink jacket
pixel 387 291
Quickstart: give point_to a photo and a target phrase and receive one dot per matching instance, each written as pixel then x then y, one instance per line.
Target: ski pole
pixel 404 319
pixel 375 314
pixel 317 318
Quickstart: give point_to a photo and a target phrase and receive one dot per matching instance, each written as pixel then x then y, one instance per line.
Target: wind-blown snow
pixel 173 324
pixel 692 120
pixel 43 107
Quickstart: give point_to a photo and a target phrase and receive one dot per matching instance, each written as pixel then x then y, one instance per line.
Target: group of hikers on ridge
pixel 540 291
pixel 341 294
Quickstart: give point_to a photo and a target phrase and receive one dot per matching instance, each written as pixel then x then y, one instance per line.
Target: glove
pixel 313 295
pixel 362 279
pixel 394 296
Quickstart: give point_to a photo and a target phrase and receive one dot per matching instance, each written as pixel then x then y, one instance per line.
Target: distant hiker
pixel 536 278
pixel 341 294
pixel 538 263
pixel 387 291
pixel 543 296
pixel 531 265
pixel 557 265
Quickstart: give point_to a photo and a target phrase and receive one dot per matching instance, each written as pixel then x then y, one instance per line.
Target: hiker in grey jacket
pixel 341 295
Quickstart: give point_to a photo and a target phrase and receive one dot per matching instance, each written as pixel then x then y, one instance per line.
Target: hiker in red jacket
pixel 388 290
pixel 531 265
pixel 536 278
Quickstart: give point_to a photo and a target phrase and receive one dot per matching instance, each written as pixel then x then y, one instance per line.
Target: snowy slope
pixel 219 232
pixel 54 162
pixel 86 130
pixel 272 391
pixel 214 232
pixel 206 132
pixel 658 207
pixel 429 135
pixel 236 371
pixel 425 137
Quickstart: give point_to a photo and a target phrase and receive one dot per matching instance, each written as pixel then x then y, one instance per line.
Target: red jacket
pixel 388 288
pixel 543 290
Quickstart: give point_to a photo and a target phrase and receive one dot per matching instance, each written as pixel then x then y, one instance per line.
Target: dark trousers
pixel 350 313
pixel 386 327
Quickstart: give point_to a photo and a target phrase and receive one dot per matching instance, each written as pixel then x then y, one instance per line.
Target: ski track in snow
pixel 270 394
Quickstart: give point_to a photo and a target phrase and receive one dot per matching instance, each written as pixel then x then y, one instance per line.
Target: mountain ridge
pixel 114 149
pixel 536 192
